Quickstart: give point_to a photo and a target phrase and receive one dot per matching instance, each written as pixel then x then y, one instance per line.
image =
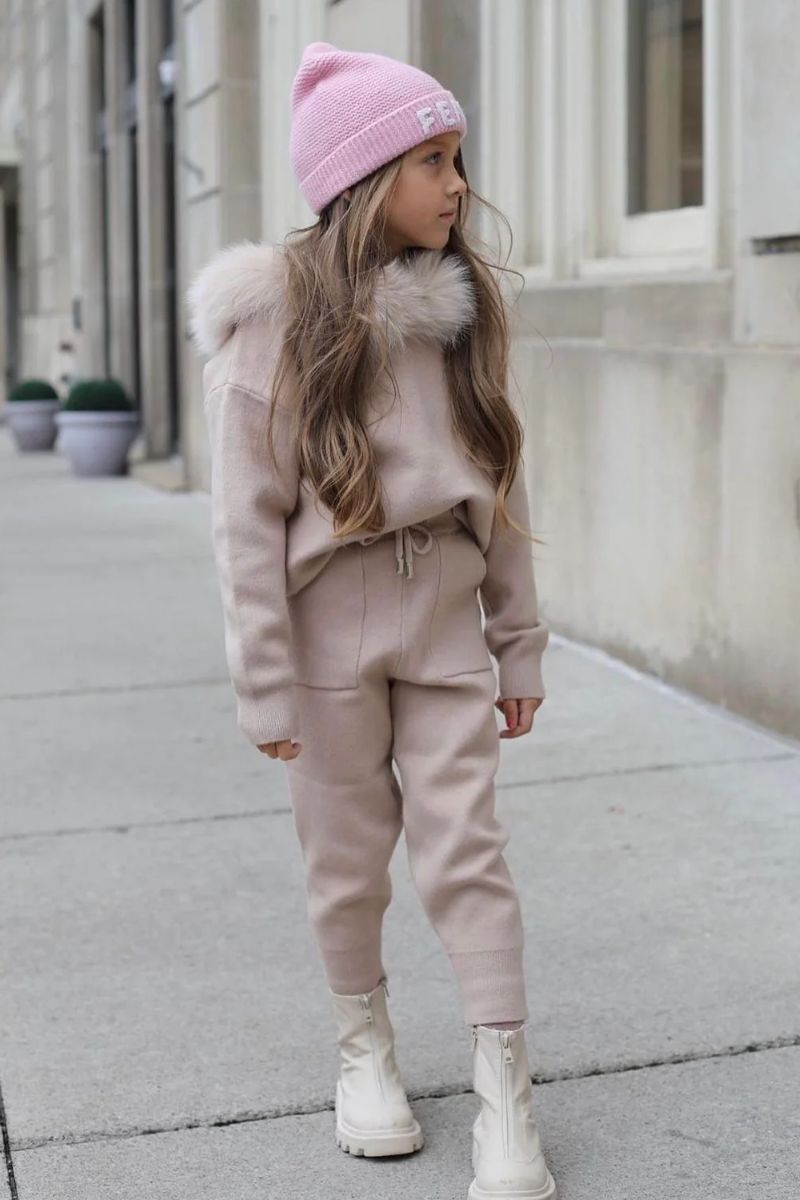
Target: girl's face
pixel 428 186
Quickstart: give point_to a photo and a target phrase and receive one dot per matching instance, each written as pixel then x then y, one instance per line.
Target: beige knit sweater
pixel 270 534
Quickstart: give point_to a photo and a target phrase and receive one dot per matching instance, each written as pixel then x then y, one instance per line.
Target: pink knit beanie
pixel 353 112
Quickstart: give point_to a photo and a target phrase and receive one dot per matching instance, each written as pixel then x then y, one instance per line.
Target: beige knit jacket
pixel 271 535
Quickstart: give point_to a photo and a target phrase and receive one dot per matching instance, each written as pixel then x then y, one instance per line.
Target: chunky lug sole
pixel 372 1143
pixel 547 1192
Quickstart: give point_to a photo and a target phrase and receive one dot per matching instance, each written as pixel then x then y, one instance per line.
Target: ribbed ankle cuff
pixel 353 971
pixel 492 985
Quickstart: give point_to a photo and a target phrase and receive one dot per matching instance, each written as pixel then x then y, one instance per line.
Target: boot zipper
pixel 505 1057
pixel 366 1005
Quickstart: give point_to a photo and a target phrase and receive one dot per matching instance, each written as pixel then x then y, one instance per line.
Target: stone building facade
pixel 647 156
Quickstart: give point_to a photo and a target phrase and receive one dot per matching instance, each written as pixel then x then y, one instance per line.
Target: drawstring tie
pixel 404 546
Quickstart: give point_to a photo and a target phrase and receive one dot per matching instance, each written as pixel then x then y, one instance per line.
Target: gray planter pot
pixel 32 423
pixel 97 443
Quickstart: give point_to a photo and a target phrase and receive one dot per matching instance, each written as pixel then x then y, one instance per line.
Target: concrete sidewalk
pixel 165 1032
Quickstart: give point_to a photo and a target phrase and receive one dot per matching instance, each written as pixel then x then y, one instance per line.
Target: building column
pixel 219 168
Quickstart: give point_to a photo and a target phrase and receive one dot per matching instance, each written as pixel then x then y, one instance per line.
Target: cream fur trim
pixel 430 297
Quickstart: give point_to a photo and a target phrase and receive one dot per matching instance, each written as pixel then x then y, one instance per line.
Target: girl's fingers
pixel 284 750
pixel 510 711
pixel 518 714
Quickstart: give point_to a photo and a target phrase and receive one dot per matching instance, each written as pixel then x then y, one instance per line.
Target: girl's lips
pixel 447 216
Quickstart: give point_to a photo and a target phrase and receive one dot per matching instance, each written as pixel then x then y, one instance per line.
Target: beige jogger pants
pixel 393 668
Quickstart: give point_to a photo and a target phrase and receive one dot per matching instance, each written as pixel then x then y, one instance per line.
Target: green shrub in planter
pixel 31 408
pixel 33 389
pixel 97 395
pixel 98 424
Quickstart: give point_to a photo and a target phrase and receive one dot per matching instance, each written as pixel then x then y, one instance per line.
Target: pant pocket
pixel 457 643
pixel 327 618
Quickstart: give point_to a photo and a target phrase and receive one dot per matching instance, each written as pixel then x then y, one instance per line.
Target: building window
pixel 650 146
pixel 665 105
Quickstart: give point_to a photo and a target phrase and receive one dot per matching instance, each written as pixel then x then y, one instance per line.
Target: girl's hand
pixel 518 715
pixel 284 750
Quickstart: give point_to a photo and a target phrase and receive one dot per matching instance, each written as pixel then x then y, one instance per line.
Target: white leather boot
pixel 507 1155
pixel 373 1116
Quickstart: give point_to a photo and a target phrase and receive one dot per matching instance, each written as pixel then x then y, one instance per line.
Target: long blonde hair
pixel 333 350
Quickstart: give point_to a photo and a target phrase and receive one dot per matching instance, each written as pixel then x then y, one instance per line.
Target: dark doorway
pixel 100 145
pixel 11 275
pixel 130 112
pixel 167 84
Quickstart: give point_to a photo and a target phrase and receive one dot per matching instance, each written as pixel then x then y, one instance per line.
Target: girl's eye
pixel 435 154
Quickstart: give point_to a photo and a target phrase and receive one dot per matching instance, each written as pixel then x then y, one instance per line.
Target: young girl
pixel 368 504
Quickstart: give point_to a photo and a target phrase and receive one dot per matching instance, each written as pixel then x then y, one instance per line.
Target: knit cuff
pixel 519 674
pixel 492 984
pixel 273 719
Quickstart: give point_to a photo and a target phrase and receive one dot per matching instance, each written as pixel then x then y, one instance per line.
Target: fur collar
pixel 430 297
